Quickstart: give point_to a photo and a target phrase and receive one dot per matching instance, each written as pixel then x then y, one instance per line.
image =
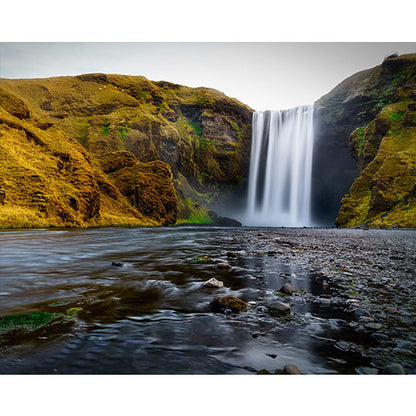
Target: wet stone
pixel 214 283
pixel 223 266
pixel 373 326
pixel 278 307
pixel 393 368
pixel 343 345
pixel 404 344
pixel 291 369
pixel 380 337
pixel 403 351
pixel 287 289
pixel 366 319
pixel 366 370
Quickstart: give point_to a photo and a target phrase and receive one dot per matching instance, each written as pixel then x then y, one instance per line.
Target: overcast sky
pixel 261 75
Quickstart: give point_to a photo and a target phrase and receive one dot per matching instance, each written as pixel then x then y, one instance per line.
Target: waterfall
pixel 279 187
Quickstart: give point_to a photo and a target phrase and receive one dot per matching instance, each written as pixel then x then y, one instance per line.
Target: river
pixel 149 313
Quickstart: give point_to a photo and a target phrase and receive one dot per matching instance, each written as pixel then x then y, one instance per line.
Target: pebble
pixel 214 283
pixel 366 319
pixel 343 345
pixel 280 307
pixel 325 285
pixel 393 368
pixel 223 266
pixel 291 369
pixel 362 312
pixel 380 337
pixel 366 370
pixel 403 351
pixel 373 326
pixel 404 344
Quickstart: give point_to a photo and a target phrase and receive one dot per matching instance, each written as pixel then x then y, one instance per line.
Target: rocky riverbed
pixel 368 278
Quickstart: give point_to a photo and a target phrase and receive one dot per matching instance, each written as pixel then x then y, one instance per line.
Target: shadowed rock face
pixel 353 122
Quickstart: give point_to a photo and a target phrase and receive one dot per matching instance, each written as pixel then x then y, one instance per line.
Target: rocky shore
pixel 366 282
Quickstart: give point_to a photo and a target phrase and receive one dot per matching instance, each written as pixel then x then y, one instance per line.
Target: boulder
pixel 393 368
pixel 278 307
pixel 214 283
pixel 231 303
pixel 287 289
pixel 223 266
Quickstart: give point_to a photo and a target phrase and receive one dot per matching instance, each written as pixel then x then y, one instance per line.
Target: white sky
pixel 261 75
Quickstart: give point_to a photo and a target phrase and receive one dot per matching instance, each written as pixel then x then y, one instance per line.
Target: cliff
pixel 99 149
pixel 366 146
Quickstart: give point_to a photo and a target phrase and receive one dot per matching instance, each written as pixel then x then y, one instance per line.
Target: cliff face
pixel 109 149
pixel 367 138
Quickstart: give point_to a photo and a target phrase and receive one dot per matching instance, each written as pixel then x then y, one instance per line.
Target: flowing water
pixel 151 315
pixel 281 168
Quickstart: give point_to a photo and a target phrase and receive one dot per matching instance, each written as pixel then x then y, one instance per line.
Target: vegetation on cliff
pixel 98 149
pixel 376 110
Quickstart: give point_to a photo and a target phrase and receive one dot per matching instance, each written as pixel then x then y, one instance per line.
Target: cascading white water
pixel 279 187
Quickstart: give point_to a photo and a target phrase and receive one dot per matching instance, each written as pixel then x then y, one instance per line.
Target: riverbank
pixel 368 274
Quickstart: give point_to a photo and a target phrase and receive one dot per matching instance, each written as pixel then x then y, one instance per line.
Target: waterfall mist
pixel 279 188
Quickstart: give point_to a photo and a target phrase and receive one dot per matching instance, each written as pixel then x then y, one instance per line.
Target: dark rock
pixel 393 368
pixel 287 289
pixel 232 303
pixel 227 222
pixel 403 351
pixel 366 370
pixel 116 264
pixel 343 345
pixel 373 326
pixel 278 307
pixel 223 266
pixel 361 312
pixel 404 344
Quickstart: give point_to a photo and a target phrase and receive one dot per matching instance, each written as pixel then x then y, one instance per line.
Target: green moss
pixel 195 127
pixel 198 214
pixel 383 194
pixel 398 116
pixel 200 259
pixel 123 131
pixel 73 312
pixel 27 320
